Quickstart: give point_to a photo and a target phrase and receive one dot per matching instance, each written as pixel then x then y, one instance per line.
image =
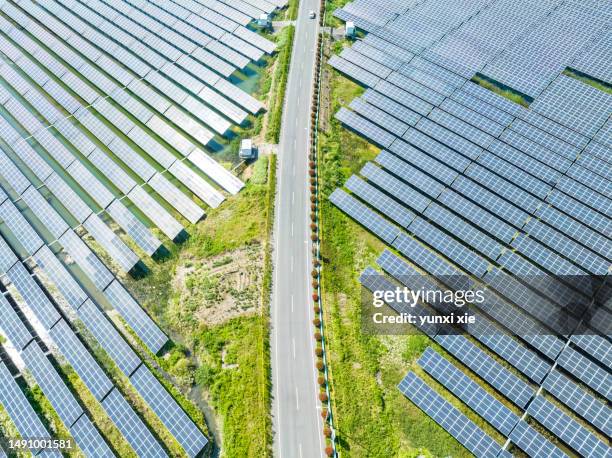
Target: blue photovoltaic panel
pixel 89 439
pixel 587 371
pixel 108 337
pixel 18 408
pixel 59 275
pixel 492 410
pixel 566 429
pixel 131 426
pixel 361 213
pixel 449 247
pixel 365 127
pixel 135 316
pixel 58 394
pixel 380 201
pixel 33 295
pixel 12 326
pixel 165 407
pixel 410 174
pixel 447 416
pixel 533 443
pixel 486 367
pixel 588 407
pixel 397 188
pixel 81 360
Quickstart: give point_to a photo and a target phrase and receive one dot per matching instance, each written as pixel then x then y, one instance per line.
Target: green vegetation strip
pixel 596 83
pixel 500 89
pixel 279 84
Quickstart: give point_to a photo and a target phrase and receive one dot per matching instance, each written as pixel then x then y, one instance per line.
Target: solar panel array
pixel 473 185
pixel 106 112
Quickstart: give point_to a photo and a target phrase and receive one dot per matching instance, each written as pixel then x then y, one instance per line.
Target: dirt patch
pixel 222 287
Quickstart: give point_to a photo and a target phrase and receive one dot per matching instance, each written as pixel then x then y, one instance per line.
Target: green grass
pixel 292 10
pixel 371 416
pixel 279 84
pixel 597 84
pixel 330 7
pixel 504 91
pixel 228 361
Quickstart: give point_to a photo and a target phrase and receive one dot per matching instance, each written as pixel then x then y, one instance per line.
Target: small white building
pixel 349 30
pixel 246 149
pixel 264 21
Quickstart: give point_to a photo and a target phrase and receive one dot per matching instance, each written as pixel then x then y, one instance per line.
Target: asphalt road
pixel 297 423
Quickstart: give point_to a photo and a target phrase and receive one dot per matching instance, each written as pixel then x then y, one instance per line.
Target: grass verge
pixel 279 84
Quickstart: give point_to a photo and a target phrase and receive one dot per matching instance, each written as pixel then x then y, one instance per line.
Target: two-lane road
pixel 296 420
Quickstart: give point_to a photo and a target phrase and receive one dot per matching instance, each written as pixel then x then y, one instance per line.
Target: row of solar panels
pixel 476 37
pixel 28 296
pixel 101 102
pixel 436 151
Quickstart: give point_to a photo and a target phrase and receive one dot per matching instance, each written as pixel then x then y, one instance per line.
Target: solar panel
pixel 18 225
pixel 378 200
pixel 586 371
pixel 370 65
pixel 390 106
pixel 89 439
pixel 567 429
pixel 410 174
pixel 395 187
pixel 584 404
pixel 486 367
pixel 595 345
pixel 372 221
pixel 463 231
pixel 492 410
pixel 532 442
pixel 423 161
pixel 437 150
pixel 33 295
pixel 176 198
pixel 155 212
pixel 447 416
pixel 449 247
pixel 81 360
pixel 406 98
pixel 135 316
pixel 165 407
pixel 108 337
pixel 131 426
pixel 58 394
pixel 111 243
pixel 449 138
pixel 365 127
pixel 68 197
pixel 133 227
pixel 86 259
pixel 18 408
pixel 112 171
pixel 579 211
pixel 45 212
pixel 12 326
pixel 61 278
pixel 198 185
pixel 477 215
pixel 378 116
